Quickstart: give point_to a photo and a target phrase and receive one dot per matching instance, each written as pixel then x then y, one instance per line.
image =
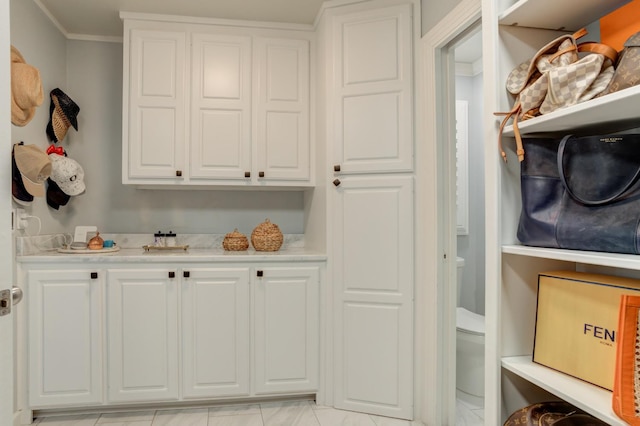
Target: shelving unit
pixel 520 30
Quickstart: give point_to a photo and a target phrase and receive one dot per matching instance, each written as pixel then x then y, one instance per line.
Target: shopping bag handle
pixel 586 202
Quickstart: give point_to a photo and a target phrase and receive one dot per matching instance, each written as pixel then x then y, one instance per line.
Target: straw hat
pixel 63 113
pixel 26 89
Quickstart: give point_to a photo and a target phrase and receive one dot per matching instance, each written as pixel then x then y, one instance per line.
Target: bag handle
pixel 614 197
pixel 603 49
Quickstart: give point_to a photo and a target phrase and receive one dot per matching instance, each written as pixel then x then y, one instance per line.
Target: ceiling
pixel 100 18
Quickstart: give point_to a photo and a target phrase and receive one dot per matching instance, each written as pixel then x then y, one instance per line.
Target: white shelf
pixel 614 112
pixel 569 15
pixel 590 398
pixel 615 260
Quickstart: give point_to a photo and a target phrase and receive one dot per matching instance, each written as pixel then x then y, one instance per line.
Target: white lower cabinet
pixel 64 337
pixel 142 334
pixel 215 332
pixel 286 325
pixel 108 334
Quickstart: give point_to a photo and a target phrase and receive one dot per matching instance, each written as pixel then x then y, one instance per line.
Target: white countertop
pixel 181 256
pixel 202 248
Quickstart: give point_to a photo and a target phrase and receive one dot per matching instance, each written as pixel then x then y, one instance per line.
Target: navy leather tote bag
pixel 581 193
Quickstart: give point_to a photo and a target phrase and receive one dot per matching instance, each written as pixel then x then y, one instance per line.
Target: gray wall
pixel 471 246
pixel 91 74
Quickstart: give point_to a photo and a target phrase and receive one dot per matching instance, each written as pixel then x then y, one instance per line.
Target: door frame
pixel 7 372
pixel 436 224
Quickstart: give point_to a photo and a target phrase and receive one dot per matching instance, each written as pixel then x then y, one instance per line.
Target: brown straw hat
pixel 26 89
pixel 63 113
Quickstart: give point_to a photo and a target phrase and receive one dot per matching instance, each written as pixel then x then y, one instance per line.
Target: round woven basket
pixel 235 241
pixel 266 237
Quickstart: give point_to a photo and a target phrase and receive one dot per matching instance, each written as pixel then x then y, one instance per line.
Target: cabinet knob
pixel 172 274
pixel 260 174
pixel 259 273
pixel 94 275
pixel 186 274
pixel 247 174
pixel 336 182
pixel 336 168
pixel 178 173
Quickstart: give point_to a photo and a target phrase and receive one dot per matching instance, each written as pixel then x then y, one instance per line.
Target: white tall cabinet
pixel 369 65
pixel 514 32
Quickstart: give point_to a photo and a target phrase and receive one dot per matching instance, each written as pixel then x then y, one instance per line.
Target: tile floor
pixel 292 413
pixel 469 410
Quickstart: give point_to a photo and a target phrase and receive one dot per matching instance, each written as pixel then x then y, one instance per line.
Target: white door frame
pixel 436 224
pixel 7 396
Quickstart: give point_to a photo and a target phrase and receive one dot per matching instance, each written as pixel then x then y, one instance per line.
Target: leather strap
pixel 602 202
pixel 592 47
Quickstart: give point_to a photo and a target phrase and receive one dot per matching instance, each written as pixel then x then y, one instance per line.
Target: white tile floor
pixel 292 413
pixel 469 410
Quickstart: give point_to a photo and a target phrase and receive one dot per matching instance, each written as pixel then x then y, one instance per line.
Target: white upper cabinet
pixel 282 108
pixel 373 90
pixel 216 104
pixel 155 123
pixel 220 106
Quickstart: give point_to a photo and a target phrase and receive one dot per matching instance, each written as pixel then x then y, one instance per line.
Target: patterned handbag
pixel 557 77
pixel 556 413
pixel 628 68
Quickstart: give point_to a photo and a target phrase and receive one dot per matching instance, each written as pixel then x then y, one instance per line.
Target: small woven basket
pixel 266 237
pixel 235 241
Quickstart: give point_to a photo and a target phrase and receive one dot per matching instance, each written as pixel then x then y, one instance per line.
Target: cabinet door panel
pixel 143 335
pixel 156 104
pixel 65 347
pixel 215 324
pixel 286 327
pixel 282 108
pixel 220 106
pixel 373 278
pixel 373 95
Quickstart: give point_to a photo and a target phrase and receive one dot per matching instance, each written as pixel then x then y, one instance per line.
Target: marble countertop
pixel 201 249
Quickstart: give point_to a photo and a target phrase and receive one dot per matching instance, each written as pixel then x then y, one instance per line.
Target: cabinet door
pixel 154 116
pixel 282 109
pixel 64 335
pixel 373 285
pixel 373 96
pixel 142 315
pixel 286 326
pixel 215 332
pixel 220 146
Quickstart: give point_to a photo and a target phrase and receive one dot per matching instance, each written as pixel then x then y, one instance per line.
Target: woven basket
pixel 235 241
pixel 266 237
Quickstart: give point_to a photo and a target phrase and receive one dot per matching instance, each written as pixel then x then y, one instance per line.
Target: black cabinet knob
pixel 260 174
pixel 178 173
pixel 247 174
pixel 186 274
pixel 336 182
pixel 259 273
pixel 336 168
pixel 172 274
pixel 94 275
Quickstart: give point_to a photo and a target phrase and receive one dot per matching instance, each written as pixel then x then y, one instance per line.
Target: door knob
pixel 16 295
